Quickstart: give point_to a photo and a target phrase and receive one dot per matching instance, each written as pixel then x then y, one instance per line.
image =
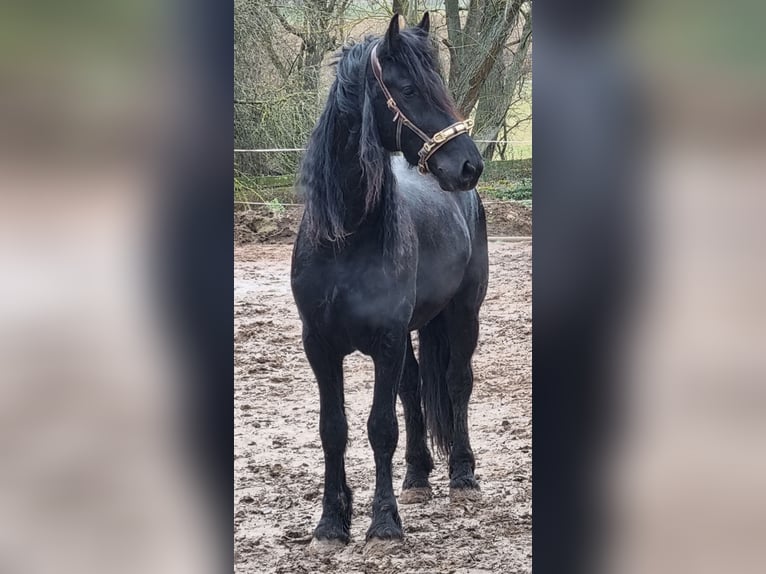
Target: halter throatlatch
pixel 430 144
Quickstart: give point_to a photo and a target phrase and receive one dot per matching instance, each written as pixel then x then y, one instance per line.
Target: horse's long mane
pixel 349 117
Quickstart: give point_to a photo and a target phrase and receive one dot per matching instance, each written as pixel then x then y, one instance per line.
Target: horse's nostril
pixel 469 170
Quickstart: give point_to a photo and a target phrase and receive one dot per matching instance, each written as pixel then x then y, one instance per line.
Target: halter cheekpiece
pixel 430 144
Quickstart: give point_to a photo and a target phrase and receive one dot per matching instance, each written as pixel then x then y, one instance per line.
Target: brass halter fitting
pixel 430 144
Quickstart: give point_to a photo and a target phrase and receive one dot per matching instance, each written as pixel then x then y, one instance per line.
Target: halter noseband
pixel 430 144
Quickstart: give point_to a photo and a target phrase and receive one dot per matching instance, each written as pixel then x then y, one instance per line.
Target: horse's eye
pixel 408 91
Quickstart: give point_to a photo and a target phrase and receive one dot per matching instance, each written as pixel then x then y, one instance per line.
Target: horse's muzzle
pixel 457 174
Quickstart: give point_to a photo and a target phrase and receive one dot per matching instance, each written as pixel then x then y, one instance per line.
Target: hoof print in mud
pixel 319 545
pixel 464 494
pixel 415 495
pixel 380 547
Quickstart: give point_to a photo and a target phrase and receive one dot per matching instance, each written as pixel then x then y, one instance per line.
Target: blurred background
pixel 684 474
pixel 110 241
pixel 649 320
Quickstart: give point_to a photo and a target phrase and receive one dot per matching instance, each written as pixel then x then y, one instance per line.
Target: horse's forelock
pixel 418 54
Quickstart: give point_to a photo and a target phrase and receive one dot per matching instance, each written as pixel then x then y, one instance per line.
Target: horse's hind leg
pixel 463 333
pixel 335 524
pixel 416 487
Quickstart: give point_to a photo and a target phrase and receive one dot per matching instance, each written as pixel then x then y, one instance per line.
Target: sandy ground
pixel 278 456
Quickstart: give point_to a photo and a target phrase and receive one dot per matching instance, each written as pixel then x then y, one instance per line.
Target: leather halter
pixel 430 144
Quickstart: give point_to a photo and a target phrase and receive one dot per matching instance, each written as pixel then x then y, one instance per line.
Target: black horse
pixel 382 250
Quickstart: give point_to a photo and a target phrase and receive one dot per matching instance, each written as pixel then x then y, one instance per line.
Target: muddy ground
pixel 263 224
pixel 278 456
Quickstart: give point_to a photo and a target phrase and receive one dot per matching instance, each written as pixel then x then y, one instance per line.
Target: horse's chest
pixel 373 293
pixel 358 299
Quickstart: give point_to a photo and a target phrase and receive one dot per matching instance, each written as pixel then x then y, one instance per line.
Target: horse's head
pixel 415 113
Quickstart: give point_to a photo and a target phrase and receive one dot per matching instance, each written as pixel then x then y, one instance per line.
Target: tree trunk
pixel 491 109
pixel 408 9
pixel 454 41
pixel 312 60
pixel 475 47
pixel 498 92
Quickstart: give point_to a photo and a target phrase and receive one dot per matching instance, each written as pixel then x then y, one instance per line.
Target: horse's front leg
pixel 463 331
pixel 335 524
pixel 383 431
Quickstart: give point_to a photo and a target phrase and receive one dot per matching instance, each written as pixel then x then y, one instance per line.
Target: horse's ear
pixel 425 23
pixel 392 34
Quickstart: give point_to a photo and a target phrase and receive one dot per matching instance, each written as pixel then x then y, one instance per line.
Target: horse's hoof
pixel 465 481
pixel 465 493
pixel 327 531
pixel 385 528
pixel 415 495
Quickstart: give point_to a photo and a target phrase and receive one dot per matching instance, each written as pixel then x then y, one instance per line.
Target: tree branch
pixel 519 122
pixel 280 67
pixel 285 24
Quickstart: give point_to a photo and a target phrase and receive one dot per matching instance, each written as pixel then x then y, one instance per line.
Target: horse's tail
pixel 434 357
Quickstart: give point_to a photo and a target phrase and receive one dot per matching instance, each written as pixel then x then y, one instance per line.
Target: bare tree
pixel 280 48
pixel 315 23
pixel 476 42
pixel 504 86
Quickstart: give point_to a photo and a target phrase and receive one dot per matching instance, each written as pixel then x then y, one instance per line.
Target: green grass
pixel 265 194
pixel 265 189
pixel 276 208
pixel 509 170
pixel 507 190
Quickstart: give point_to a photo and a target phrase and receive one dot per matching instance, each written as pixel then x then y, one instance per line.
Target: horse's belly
pixel 436 286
